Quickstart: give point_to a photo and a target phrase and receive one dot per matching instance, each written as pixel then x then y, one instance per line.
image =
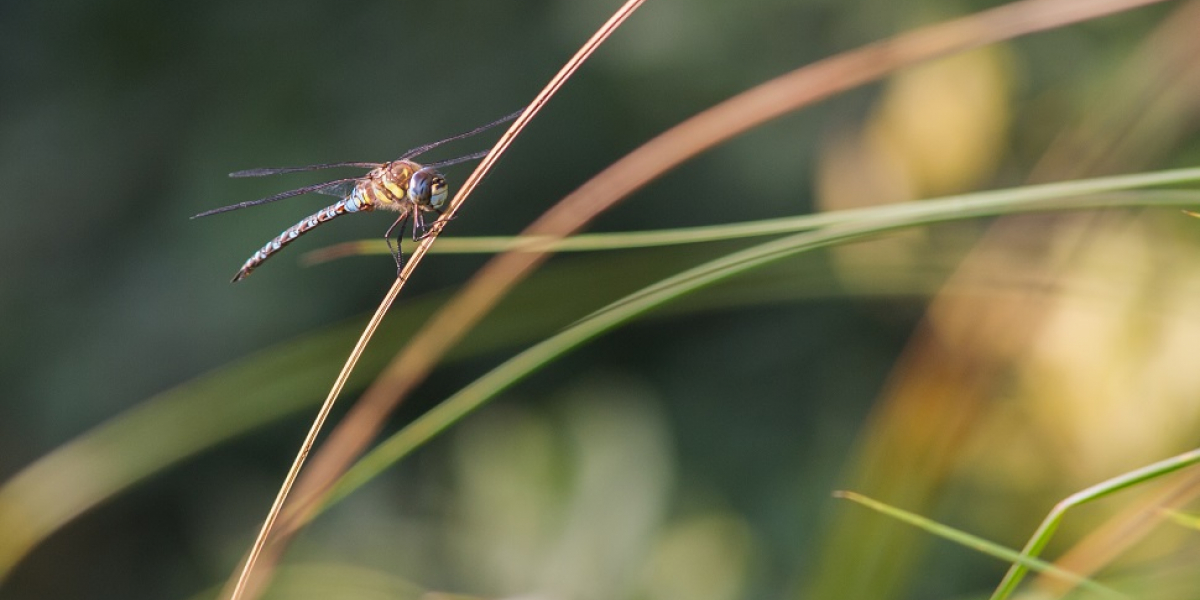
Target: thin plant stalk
pixel 240 588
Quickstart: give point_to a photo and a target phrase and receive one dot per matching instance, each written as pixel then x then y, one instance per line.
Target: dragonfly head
pixel 428 189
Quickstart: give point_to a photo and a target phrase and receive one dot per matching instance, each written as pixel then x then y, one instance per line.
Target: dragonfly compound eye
pixel 438 192
pixel 428 189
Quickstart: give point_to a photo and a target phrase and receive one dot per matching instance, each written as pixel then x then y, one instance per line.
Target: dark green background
pixel 120 119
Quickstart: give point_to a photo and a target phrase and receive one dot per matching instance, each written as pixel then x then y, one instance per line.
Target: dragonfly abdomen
pixel 351 204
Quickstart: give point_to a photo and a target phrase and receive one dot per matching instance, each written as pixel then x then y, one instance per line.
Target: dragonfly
pixel 402 185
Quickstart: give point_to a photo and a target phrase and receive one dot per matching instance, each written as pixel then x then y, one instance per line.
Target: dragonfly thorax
pixel 403 184
pixel 427 189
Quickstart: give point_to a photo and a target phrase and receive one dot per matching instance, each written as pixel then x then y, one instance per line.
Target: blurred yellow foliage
pixel 938 129
pixel 946 122
pixel 1108 380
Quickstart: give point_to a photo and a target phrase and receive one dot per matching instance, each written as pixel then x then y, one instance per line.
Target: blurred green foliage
pixel 688 456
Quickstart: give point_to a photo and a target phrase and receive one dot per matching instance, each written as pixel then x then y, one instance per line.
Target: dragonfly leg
pixel 420 230
pixel 424 231
pixel 387 237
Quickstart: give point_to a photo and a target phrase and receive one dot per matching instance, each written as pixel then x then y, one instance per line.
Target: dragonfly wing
pixel 455 161
pixel 283 170
pixel 419 150
pixel 341 190
pixel 320 188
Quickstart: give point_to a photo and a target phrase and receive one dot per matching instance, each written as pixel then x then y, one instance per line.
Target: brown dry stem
pixel 244 586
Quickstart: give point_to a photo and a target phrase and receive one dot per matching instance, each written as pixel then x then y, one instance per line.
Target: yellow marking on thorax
pixel 395 181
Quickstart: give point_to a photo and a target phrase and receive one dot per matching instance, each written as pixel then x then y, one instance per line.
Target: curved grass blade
pixel 977 543
pixel 1044 531
pixel 480 391
pixel 165 430
pixel 714 233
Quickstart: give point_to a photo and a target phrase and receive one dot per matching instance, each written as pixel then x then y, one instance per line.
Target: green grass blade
pixel 977 543
pixel 915 214
pixel 733 231
pixel 1042 535
pixel 886 219
pixel 1183 519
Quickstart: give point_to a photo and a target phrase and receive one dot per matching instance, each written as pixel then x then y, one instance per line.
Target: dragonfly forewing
pixel 337 187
